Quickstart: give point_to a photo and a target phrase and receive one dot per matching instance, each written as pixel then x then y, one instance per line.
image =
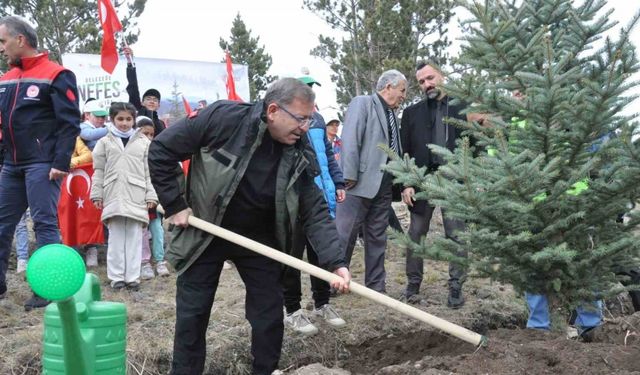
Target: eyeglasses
pixel 302 121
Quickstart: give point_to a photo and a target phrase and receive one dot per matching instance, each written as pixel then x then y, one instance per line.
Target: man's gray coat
pixel 365 127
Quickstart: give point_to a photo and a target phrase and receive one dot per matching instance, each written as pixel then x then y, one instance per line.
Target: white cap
pixel 95 107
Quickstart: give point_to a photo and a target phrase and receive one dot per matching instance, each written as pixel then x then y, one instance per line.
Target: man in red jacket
pixel 40 118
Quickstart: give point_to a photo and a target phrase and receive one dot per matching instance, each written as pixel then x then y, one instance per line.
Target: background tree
pixel 176 106
pixel 380 35
pixel 244 49
pixel 72 25
pixel 542 204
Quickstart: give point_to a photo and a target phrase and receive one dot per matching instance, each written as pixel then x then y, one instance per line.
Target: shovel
pixel 446 326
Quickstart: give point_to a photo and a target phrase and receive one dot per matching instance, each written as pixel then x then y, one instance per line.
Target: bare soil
pixel 375 341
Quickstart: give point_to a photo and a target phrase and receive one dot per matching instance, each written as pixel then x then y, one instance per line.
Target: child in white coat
pixel 122 188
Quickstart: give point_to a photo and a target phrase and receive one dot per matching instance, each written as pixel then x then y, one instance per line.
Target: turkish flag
pixel 78 218
pixel 231 84
pixel 110 25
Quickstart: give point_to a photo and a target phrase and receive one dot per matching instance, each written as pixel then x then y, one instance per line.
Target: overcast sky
pixel 191 29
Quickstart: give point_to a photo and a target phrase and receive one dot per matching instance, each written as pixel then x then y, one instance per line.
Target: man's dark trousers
pixel 415 265
pixel 373 213
pixel 291 278
pixel 196 289
pixel 23 186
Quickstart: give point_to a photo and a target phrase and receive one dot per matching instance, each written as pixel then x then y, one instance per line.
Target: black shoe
pixel 118 285
pixel 455 300
pixel 412 299
pixel 133 286
pixel 590 334
pixel 635 299
pixel 35 302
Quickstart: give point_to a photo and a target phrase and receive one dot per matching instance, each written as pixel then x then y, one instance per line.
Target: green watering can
pixel 82 334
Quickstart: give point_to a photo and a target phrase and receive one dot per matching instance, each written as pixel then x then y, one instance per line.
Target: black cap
pixel 151 92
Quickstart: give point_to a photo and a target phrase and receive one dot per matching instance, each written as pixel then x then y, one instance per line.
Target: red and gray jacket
pixel 39 113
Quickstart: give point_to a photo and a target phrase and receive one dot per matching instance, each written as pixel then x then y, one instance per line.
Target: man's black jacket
pixel 417 130
pixel 221 140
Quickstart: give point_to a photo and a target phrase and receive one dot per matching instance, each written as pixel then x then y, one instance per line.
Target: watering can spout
pixel 75 348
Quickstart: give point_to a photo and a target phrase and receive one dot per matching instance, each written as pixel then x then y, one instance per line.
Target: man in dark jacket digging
pixel 252 172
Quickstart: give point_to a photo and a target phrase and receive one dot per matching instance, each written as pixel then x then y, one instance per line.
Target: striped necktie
pixel 393 128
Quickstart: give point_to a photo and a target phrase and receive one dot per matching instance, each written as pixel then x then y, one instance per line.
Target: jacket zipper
pixel 15 100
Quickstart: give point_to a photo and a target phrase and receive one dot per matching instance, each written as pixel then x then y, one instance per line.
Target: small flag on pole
pixel 110 25
pixel 231 85
pixel 187 106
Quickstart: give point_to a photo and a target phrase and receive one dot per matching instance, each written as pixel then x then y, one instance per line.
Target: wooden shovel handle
pixel 446 326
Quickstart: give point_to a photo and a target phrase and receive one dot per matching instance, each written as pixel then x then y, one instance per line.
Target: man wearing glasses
pixel 252 172
pixel 150 99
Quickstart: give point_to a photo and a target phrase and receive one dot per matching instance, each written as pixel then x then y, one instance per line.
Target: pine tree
pixel 72 25
pixel 176 107
pixel 380 35
pixel 541 186
pixel 244 49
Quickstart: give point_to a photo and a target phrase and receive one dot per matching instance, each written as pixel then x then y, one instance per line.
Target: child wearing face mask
pixel 122 188
pixel 155 232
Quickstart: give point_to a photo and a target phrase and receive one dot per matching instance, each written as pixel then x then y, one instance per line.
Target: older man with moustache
pixel 370 121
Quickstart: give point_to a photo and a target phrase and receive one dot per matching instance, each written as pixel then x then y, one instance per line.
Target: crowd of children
pixel 122 189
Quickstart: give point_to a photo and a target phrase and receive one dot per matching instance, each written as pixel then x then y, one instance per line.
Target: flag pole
pixel 126 45
pixel 446 326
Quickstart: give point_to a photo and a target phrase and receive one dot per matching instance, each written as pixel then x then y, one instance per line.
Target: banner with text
pixel 194 80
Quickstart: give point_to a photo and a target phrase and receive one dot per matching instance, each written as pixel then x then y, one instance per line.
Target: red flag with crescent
pixel 79 219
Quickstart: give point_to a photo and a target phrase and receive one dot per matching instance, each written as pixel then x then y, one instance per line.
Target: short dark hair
pixel 422 63
pixel 18 26
pixel 285 90
pixel 120 107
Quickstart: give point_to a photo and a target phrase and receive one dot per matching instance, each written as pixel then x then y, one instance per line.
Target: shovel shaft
pixel 446 326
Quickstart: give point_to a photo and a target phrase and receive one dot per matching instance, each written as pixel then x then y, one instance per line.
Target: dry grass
pixel 151 319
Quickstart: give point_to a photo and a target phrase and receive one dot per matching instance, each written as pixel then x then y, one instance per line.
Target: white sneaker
pixel 21 266
pixel 329 314
pixel 161 269
pixel 298 322
pixel 227 265
pixel 91 257
pixel 146 272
